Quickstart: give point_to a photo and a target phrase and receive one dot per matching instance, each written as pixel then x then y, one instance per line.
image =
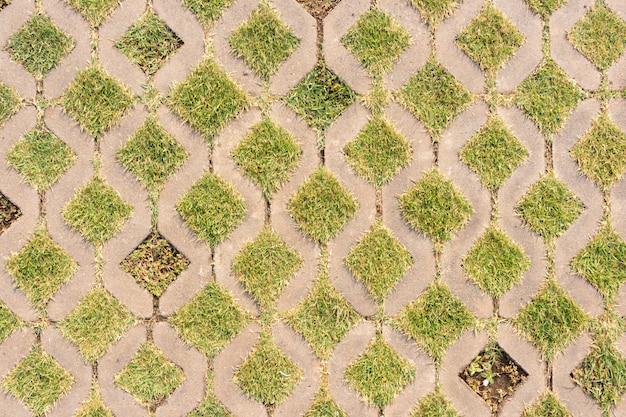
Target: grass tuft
pixel 8 322
pixel 547 405
pixel 208 11
pixel 9 103
pixel 435 405
pixel 210 405
pixel 434 11
pixel 95 11
pixel 94 406
pixel 545 8
pixel 324 406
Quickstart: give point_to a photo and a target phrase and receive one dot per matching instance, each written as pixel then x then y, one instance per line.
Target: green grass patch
pixel 96 100
pixel 493 153
pixel 435 405
pixel 324 406
pixel 149 43
pixel 210 320
pixel 95 11
pixel 380 373
pixel 152 154
pixel 549 208
pixel 547 405
pixel 268 155
pixel 8 322
pixel 210 405
pixel 434 11
pixel 435 207
pixel 212 208
pixel 208 11
pixel 207 99
pixel 39 45
pixel 551 320
pixel 378 152
pixel 97 322
pixel 435 320
pixel 490 39
pixel 150 376
pixel 377 40
pixel 41 158
pixel 435 97
pixel 9 103
pixel 9 213
pixel 38 381
pixel 267 374
pixel 495 263
pixel 94 406
pixel 600 35
pixel 548 97
pixel 545 8
pixel 40 268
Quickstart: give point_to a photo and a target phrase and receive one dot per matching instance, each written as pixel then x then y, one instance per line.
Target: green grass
pixel 545 8
pixel 9 103
pixel 380 373
pixel 155 264
pixel 8 322
pixel 268 155
pixel 149 43
pixel 95 11
pixel 94 406
pixel 265 266
pixel 324 406
pixel 210 405
pixel 212 208
pixel 601 152
pixel 320 97
pixel 322 206
pixel 97 211
pixel 378 260
pixel 435 207
pixel 548 97
pixel 96 100
pixel 551 320
pixel 41 158
pixel 9 213
pixel 208 11
pixel 435 404
pixel 97 322
pixel 435 97
pixel 207 99
pixel 547 405
pixel 323 318
pixel 153 155
pixel 40 268
pixel 435 320
pixel 495 263
pixel 211 320
pixel 150 376
pixel 39 45
pixel 267 374
pixel 600 35
pixel 493 153
pixel 490 39
pixel 434 11
pixel 378 152
pixel 549 208
pixel 38 381
pixel 377 40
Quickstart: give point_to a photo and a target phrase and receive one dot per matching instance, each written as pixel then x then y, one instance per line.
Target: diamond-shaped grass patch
pixel 602 374
pixel 548 96
pixel 94 406
pixel 322 206
pixel 149 43
pixel 212 208
pixel 40 268
pixel 434 11
pixel 549 208
pixel 38 381
pixel 378 152
pixel 323 318
pixel 9 103
pixel 150 376
pixel 324 406
pixel 600 35
pixel 268 155
pixel 547 405
pixel 320 97
pixel 210 405
pixel 39 45
pixel 545 8
pixel 380 373
pixel 96 323
pixel 601 152
pixel 435 404
pixel 603 261
pixel 490 39
pixel 495 263
pixel 435 97
pixel 9 213
pixel 551 320
pixel 208 11
pixel 435 207
pixel 377 40
pixel 264 41
pixel 379 261
pixel 152 154
pixel 97 211
pixel 155 264
pixel 41 158
pixel 493 153
pixel 207 99
pixel 435 320
pixel 95 11
pixel 265 266
pixel 96 100
pixel 267 374
pixel 210 320
pixel 8 322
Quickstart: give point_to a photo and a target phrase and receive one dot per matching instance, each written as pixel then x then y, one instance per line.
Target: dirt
pixel 319 9
pixel 9 212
